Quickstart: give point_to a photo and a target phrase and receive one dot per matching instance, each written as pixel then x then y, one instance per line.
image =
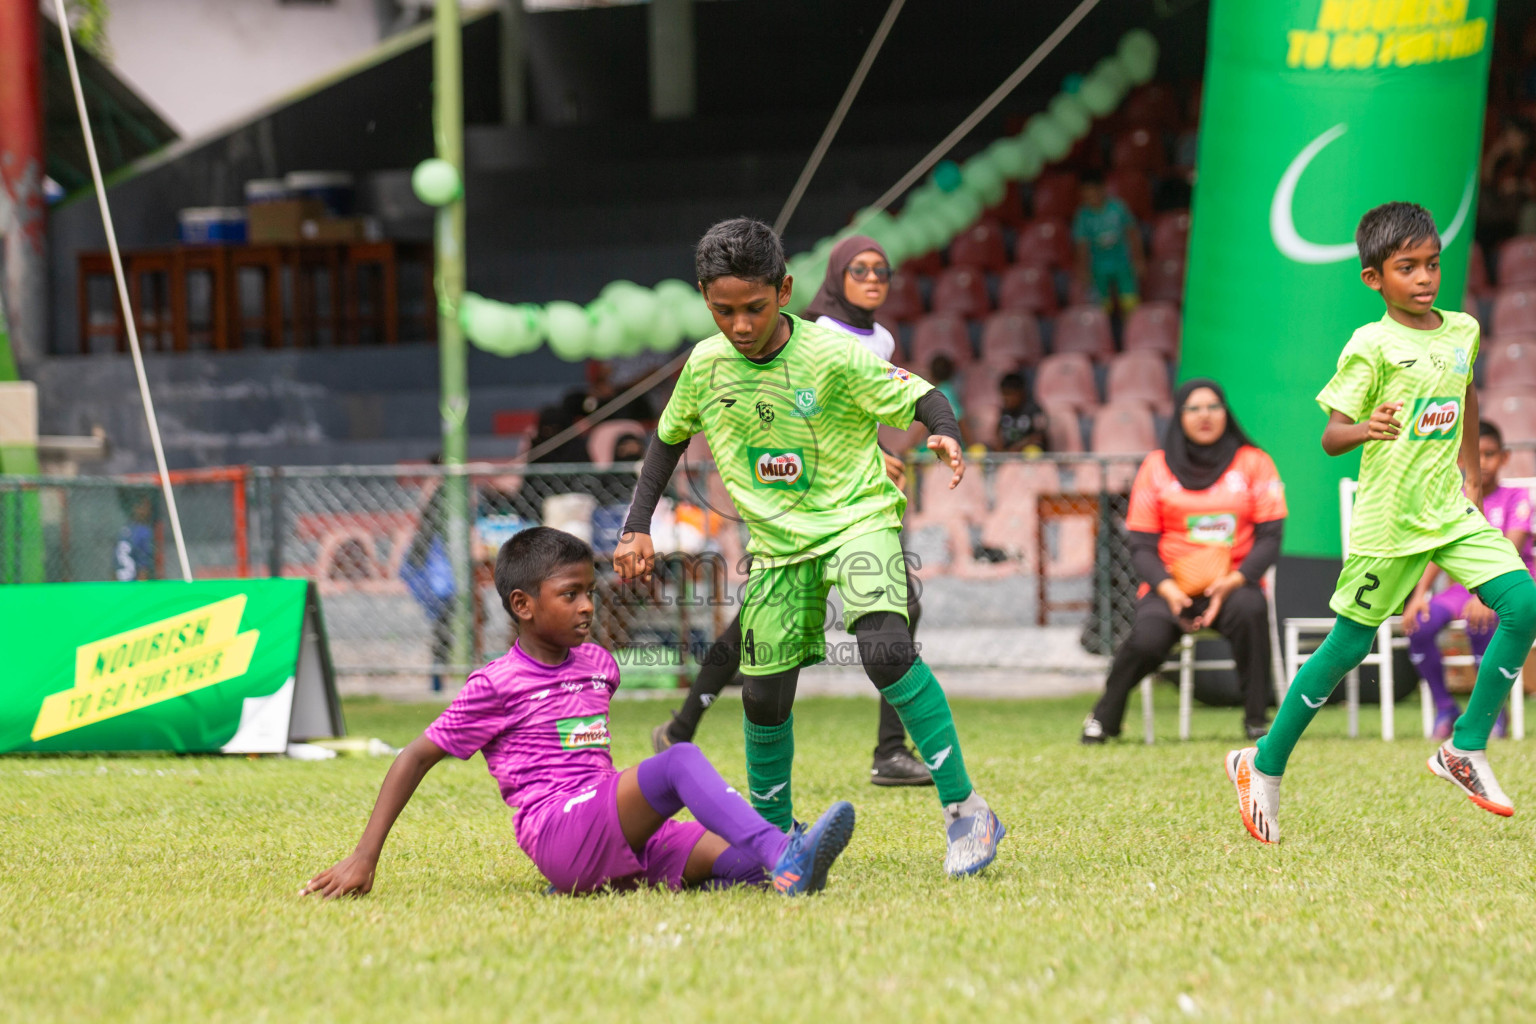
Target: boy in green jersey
pixel 1403 389
pixel 790 411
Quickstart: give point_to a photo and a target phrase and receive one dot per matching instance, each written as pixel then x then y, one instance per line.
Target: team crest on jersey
pixel 583 733
pixel 1434 419
pixel 780 469
pixel 896 373
pixel 1461 360
pixel 805 403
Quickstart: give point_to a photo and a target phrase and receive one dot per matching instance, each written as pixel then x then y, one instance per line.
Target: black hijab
pixel 831 300
pixel 1197 467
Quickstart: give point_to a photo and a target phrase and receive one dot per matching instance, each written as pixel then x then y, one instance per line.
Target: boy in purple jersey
pixel 540 715
pixel 1509 510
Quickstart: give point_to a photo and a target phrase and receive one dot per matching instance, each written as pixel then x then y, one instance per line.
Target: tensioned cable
pixel 591 420
pixel 825 143
pixel 122 293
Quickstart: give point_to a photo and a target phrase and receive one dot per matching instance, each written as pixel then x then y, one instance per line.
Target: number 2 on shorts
pixel 1366 589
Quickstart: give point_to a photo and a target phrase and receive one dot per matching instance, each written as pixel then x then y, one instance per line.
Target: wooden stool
pixel 266 260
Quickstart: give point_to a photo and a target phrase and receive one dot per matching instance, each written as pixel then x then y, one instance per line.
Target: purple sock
pixel 737 867
pixel 1424 652
pixel 681 776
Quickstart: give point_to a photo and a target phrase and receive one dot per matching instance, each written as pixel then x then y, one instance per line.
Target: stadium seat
pixel 1013 523
pixel 1062 431
pixel 961 290
pixel 1010 339
pixel 1139 149
pixel 1066 379
pixel 1140 376
pixel 1477 273
pixel 1517 262
pixel 1056 197
pixel 1084 329
pixel 1153 327
pixel 1514 311
pixel 1165 281
pixel 1010 210
pixel 1515 414
pixel 940 332
pixel 905 301
pixel 926 264
pixel 949 510
pixel 1511 362
pixel 1044 242
pixel 978 390
pixel 1154 106
pixel 1132 187
pixel 603 437
pixel 1025 288
pixel 1124 428
pixel 980 247
pixel 1170 236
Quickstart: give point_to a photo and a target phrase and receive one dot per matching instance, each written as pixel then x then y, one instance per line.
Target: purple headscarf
pixel 831 300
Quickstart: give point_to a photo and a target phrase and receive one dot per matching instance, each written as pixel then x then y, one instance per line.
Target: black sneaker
pixel 900 768
pixel 1258 731
pixel 1093 732
pixel 660 738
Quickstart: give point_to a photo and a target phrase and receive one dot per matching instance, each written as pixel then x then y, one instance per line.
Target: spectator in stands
pixel 134 553
pixel 1207 512
pixel 1021 424
pixel 857 284
pixel 1109 254
pixel 604 390
pixel 1426 614
pixel 629 448
pixel 941 374
pixel 1499 208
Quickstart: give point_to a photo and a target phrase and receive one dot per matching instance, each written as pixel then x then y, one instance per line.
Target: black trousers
pixel 1243 620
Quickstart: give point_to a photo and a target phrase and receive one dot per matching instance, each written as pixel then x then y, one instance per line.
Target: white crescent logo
pixel 1282 225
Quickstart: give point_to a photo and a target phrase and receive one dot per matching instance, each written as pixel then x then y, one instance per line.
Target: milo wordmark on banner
pixel 235 666
pixel 1315 111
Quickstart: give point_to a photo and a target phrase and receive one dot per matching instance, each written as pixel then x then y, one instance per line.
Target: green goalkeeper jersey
pixel 1409 499
pixel 794 438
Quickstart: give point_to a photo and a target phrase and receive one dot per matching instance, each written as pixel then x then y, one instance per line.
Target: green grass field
pixel 165 888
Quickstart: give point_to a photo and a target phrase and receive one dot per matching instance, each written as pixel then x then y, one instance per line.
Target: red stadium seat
pixel 940 332
pixel 1027 289
pixel 1131 187
pixel 1170 237
pixel 979 388
pixel 927 265
pixel 1511 362
pixel 1477 273
pixel 1517 262
pixel 980 247
pixel 1046 243
pixel 1153 326
pixel 1084 329
pixel 1514 311
pixel 1010 210
pixel 1139 149
pixel 1011 339
pixel 1124 428
pixel 1062 431
pixel 1165 281
pixel 961 290
pixel 604 436
pixel 1056 197
pixel 1066 379
pixel 904 302
pixel 1513 412
pixel 1140 377
pixel 1155 106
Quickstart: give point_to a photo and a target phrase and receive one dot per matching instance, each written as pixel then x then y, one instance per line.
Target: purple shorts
pixel 577 844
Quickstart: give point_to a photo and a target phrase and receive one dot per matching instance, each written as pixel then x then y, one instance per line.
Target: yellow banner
pixel 149 664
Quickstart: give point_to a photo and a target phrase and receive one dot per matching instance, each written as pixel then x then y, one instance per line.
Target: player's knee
pixel 1516 607
pixel 1350 641
pixel 885 647
pixel 763 700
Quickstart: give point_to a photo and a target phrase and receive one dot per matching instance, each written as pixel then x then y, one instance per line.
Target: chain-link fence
pixel 1022 542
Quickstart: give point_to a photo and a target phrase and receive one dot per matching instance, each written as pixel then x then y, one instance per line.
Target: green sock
pixel 919 700
pixel 1345 647
pixel 770 757
pixel 1512 596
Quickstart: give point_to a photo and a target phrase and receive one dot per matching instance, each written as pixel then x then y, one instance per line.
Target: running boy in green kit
pixel 790 411
pixel 1403 389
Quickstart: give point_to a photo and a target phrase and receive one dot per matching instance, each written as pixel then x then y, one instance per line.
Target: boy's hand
pixel 635 557
pixel 1479 616
pixel 353 876
pixel 1415 613
pixel 896 470
pixel 948 450
pixel 1383 424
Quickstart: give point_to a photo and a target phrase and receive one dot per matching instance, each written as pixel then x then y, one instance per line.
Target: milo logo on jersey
pixel 1433 419
pixel 582 733
pixel 1212 529
pixel 780 469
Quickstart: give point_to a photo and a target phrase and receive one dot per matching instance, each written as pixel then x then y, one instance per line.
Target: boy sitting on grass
pixel 539 714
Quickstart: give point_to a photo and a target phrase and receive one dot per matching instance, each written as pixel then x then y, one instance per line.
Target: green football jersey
pixel 1409 498
pixel 794 438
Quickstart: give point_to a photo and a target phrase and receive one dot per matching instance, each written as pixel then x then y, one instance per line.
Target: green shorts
pixel 1372 589
pixel 784 606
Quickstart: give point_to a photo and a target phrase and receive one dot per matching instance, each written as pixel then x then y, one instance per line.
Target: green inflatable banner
pixel 236 666
pixel 1314 112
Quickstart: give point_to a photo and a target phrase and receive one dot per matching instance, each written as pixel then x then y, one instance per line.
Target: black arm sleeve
pixel 1265 551
pixel 1144 558
pixel 660 460
pixel 934 412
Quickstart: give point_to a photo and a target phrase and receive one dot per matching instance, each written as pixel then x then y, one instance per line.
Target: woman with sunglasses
pixel 858 281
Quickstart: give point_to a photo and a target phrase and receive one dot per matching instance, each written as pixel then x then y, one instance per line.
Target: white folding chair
pixel 1187 666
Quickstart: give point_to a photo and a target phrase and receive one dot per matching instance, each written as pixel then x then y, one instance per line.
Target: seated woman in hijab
pixel 1206 516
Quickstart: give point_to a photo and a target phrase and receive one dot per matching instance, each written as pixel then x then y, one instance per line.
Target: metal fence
pixel 1022 542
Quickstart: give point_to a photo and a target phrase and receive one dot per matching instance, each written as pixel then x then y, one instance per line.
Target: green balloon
pixel 607 329
pixel 1140 66
pixel 1110 69
pixel 964 206
pixel 873 223
pixel 499 328
pixel 688 308
pixel 665 333
pixel 570 330
pixel 1069 112
pixel 1099 95
pixel 436 182
pixel 898 243
pixel 946 176
pixel 1048 136
pixel 1139 44
pixel 983 176
pixel 636 307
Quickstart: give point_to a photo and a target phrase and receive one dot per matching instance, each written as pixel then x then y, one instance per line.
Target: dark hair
pixel 1011 380
pixel 743 248
pixel 533 556
pixel 1486 429
pixel 1390 227
pixel 1091 177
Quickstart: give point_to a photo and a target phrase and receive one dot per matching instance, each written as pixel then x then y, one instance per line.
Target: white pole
pixel 122 293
